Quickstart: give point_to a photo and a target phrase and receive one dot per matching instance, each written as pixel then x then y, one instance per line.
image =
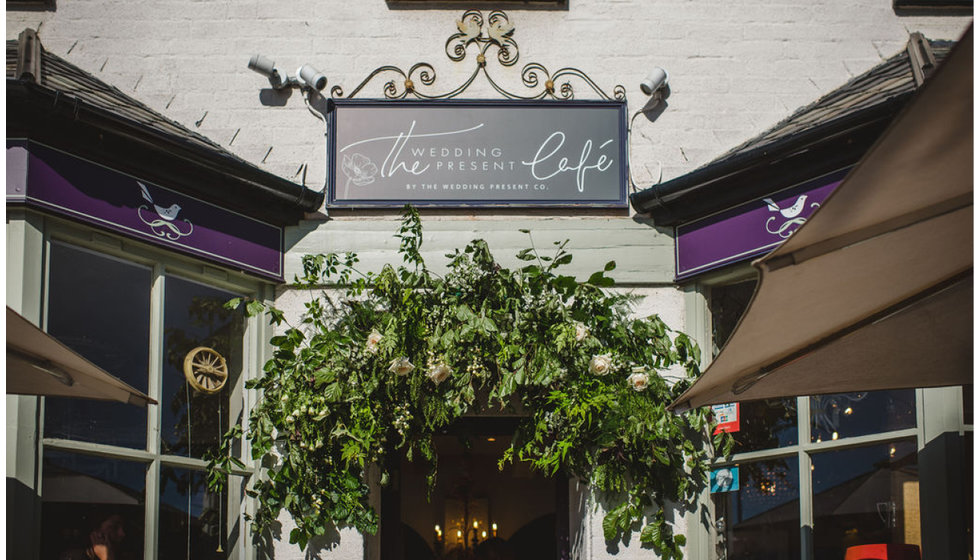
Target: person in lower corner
pixel 104 542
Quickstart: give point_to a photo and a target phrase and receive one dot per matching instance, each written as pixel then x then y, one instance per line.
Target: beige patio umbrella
pixel 875 291
pixel 37 364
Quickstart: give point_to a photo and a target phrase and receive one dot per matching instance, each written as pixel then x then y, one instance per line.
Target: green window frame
pixel 37 234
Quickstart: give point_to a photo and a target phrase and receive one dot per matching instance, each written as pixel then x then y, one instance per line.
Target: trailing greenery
pixel 382 362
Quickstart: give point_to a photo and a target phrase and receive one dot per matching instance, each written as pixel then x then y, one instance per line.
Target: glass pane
pixel 728 303
pixel 91 502
pixel 194 316
pixel 759 518
pixel 968 488
pixel 857 414
pixel 766 424
pixel 480 511
pixel 192 520
pixel 968 404
pixel 866 495
pixel 100 307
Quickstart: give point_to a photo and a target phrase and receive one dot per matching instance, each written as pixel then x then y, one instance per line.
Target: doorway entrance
pixel 476 510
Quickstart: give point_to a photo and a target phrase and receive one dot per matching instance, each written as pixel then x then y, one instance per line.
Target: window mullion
pixel 155 386
pixel 806 479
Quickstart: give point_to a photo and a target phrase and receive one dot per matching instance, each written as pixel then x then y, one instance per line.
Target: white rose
pixel 600 365
pixel 639 381
pixel 372 342
pixel 439 372
pixel 581 332
pixel 401 366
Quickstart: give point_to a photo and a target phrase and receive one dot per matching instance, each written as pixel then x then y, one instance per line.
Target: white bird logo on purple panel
pixel 791 212
pixel 163 225
pixel 168 214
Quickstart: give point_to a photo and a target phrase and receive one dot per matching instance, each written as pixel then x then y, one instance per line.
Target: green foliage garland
pixel 393 358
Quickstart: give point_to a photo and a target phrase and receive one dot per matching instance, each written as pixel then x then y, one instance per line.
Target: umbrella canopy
pixel 875 291
pixel 37 364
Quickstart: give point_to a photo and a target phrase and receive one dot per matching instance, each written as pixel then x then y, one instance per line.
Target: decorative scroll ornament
pixel 206 370
pixel 495 31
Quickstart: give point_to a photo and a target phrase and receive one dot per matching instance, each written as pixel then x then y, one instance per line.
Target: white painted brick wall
pixel 736 67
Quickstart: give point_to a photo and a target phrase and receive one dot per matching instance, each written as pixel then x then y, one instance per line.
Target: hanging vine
pixel 382 362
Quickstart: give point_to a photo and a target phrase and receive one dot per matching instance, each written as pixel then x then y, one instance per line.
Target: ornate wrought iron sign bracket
pixel 494 32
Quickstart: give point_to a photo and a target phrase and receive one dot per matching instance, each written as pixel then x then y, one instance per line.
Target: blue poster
pixel 724 480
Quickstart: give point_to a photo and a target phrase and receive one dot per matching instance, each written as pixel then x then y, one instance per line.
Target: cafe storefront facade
pixel 486 146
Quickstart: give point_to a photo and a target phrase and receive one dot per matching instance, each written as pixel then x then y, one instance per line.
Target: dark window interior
pixel 113 336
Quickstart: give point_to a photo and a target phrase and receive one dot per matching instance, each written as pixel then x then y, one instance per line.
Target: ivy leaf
pixel 601 280
pixel 526 254
pixel 333 392
pixel 651 535
pixel 564 259
pixel 253 308
pixel 324 375
pixel 609 527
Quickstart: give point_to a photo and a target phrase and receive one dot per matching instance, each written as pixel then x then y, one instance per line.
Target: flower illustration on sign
pixel 359 169
pixel 790 213
pixel 164 223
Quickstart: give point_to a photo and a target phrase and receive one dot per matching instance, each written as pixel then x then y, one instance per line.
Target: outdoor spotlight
pixel 656 79
pixel 311 77
pixel 267 68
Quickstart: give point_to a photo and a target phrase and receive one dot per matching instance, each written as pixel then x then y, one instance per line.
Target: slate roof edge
pixel 73 109
pixel 748 172
pixel 730 181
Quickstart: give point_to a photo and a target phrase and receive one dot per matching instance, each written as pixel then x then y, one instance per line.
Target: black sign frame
pixel 335 166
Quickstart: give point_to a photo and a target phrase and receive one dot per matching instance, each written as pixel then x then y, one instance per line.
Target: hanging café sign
pixel 463 153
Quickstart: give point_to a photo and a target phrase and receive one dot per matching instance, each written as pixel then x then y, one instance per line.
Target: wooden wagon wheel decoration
pixel 206 370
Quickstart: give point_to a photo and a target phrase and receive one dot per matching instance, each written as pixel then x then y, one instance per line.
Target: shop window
pixel 728 303
pixel 757 510
pixel 865 495
pixel 764 424
pixel 475 510
pixel 192 518
pixel 100 307
pixel 194 316
pixel 95 485
pixel 89 500
pixel 845 415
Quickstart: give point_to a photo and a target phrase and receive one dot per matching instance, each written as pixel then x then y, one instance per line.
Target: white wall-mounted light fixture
pixel 267 68
pixel 655 86
pixel 306 75
pixel 311 77
pixel 656 79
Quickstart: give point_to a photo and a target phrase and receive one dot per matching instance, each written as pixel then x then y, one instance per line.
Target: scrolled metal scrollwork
pixel 496 30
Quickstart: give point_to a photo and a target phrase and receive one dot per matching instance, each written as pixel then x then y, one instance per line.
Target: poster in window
pixel 727 417
pixel 724 480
